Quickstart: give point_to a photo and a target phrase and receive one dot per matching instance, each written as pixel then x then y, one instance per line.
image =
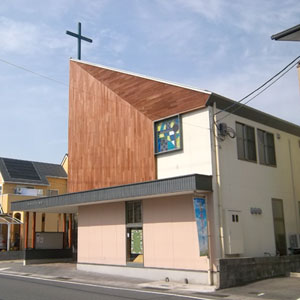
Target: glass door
pixel 134 233
pixel 279 227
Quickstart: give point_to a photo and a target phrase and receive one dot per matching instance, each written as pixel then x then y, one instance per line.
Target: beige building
pixel 167 183
pixel 21 180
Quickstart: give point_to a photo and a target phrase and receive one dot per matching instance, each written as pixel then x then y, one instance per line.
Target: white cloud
pixel 211 9
pixel 113 40
pixel 26 38
pixel 17 36
pixel 281 99
pixel 176 35
pixel 112 47
pixel 91 9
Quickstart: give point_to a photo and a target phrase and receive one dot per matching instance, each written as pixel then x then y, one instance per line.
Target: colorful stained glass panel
pixel 168 135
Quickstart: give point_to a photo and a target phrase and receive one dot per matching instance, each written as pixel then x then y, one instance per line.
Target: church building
pixel 172 181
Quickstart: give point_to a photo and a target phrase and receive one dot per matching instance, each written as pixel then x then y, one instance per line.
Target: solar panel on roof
pixel 21 169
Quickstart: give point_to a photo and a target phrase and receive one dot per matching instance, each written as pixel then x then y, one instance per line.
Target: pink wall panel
pixel 101 234
pixel 170 234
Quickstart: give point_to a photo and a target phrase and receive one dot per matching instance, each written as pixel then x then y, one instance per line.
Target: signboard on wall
pixel 201 221
pixel 49 240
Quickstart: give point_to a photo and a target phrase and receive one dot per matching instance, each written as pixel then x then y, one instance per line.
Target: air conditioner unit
pixel 18 191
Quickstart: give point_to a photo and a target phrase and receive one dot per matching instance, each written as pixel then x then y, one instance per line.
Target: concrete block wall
pixel 11 255
pixel 239 271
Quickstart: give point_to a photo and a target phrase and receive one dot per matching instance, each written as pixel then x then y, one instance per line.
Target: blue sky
pixel 218 45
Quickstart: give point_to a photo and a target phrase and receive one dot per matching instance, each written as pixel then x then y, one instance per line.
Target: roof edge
pixel 27 182
pixel 191 182
pixel 64 159
pixel 286 32
pixel 253 114
pixel 142 76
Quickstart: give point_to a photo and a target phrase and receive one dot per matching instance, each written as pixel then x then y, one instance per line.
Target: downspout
pixel 8 238
pixel 218 180
pixel 293 187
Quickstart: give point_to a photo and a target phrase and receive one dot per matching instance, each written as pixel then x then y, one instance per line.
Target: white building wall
pixel 196 154
pixel 243 185
pixel 246 184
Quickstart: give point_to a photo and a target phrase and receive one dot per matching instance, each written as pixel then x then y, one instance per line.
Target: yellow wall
pixel 65 163
pixel 53 222
pixel 9 188
pixel 59 184
pixel 6 200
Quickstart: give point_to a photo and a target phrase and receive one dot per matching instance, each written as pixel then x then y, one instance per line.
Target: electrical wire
pixel 264 84
pixel 244 104
pixel 287 68
pixel 32 72
pixel 199 126
pixel 59 82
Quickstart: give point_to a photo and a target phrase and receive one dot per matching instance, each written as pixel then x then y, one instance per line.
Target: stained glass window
pixel 167 135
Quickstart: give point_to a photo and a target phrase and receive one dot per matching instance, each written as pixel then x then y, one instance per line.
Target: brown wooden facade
pixel 111 118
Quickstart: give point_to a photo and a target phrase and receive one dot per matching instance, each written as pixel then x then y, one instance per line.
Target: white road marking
pixel 3 269
pixel 103 286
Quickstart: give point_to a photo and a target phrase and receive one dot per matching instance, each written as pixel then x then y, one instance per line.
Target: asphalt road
pixel 63 281
pixel 22 288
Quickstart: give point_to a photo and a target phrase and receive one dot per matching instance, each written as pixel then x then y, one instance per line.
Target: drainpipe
pixel 26 230
pixel 293 187
pixel 33 228
pixel 8 238
pixel 218 181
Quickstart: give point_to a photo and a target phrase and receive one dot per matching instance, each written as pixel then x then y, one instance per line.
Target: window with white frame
pixel 266 148
pixel 246 147
pixel 52 192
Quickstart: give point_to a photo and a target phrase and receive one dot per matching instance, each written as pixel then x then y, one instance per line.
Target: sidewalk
pixel 68 272
pixel 277 288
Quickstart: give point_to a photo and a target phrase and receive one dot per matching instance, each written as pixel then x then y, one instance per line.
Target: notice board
pixel 49 240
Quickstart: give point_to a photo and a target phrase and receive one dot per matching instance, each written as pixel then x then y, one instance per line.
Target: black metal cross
pixel 79 37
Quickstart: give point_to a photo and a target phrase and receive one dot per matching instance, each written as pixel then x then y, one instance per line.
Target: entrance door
pixel 134 232
pixel 234 236
pixel 135 245
pixel 279 227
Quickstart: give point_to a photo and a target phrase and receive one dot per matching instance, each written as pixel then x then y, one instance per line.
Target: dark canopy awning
pixel 162 187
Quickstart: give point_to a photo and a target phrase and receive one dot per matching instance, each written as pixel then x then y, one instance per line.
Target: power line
pixel 195 125
pixel 264 84
pixel 287 68
pixel 80 90
pixel 243 104
pixel 32 72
